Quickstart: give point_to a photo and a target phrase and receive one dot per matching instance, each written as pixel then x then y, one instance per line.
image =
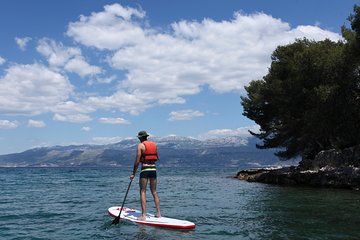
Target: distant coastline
pixel 174 152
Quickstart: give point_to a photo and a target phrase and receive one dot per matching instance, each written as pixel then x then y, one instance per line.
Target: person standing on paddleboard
pixel 146 155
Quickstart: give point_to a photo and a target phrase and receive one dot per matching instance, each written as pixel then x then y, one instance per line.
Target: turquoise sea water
pixel 71 203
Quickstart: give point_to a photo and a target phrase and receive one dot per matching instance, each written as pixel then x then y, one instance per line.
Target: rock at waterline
pixel 332 168
pixel 343 177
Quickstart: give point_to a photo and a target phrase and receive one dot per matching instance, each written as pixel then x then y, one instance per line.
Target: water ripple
pixel 63 203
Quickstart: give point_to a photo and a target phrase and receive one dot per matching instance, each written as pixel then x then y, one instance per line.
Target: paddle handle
pixel 127 191
pixel 116 220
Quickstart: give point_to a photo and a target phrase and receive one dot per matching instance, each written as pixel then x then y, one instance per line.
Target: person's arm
pixel 137 161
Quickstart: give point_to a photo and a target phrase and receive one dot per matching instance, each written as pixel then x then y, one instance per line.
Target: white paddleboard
pixel 133 215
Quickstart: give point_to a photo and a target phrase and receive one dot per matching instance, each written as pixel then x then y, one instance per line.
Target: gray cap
pixel 142 134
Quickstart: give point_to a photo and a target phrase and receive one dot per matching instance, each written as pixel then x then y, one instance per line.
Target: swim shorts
pixel 148 172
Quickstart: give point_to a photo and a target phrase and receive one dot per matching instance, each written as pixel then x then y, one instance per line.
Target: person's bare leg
pixel 155 195
pixel 143 184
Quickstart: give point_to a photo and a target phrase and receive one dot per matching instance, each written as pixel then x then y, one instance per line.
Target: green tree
pixel 309 100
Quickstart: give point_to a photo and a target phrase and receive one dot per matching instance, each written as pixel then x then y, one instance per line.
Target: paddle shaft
pixel 116 220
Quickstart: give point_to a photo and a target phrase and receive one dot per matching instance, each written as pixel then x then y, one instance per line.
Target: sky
pixel 98 72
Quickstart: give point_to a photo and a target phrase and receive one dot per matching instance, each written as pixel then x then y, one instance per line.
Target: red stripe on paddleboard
pixel 159 224
pixel 167 225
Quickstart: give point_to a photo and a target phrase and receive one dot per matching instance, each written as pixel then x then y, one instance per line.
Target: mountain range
pixel 173 151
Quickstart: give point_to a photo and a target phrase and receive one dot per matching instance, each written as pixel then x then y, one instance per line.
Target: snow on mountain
pixel 173 151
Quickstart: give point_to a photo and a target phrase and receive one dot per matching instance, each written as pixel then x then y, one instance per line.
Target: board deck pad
pixel 133 215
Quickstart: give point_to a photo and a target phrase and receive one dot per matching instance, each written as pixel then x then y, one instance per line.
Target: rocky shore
pixel 332 168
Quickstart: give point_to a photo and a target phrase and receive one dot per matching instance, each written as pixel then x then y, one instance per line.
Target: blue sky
pixel 75 72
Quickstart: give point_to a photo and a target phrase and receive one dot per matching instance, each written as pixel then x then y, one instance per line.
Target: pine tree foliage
pixel 310 99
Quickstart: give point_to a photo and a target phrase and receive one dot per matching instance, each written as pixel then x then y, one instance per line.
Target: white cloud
pixel 106 140
pixel 123 101
pixel 2 60
pixel 184 115
pixel 111 29
pixel 69 58
pixel 72 118
pixel 81 67
pixel 41 145
pixel 22 42
pixel 56 53
pixel 70 107
pixel 73 112
pixel 6 124
pixel 32 89
pixel 36 124
pixel 164 67
pixel 86 129
pixel 159 67
pixel 113 121
pixel 240 132
pixel 102 80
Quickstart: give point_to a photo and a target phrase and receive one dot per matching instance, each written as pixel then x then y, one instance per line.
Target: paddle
pixel 117 219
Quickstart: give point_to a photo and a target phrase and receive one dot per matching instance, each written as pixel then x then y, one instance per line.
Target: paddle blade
pixel 116 220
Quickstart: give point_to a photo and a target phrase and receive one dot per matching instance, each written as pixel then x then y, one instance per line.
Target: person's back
pixel 146 155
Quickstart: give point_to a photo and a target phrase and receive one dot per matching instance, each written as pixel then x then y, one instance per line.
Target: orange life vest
pixel 150 155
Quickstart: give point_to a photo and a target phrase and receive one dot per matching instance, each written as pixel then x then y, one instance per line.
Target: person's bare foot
pixel 158 215
pixel 142 218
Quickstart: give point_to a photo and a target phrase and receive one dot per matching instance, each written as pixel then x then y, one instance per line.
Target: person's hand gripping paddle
pixel 117 219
